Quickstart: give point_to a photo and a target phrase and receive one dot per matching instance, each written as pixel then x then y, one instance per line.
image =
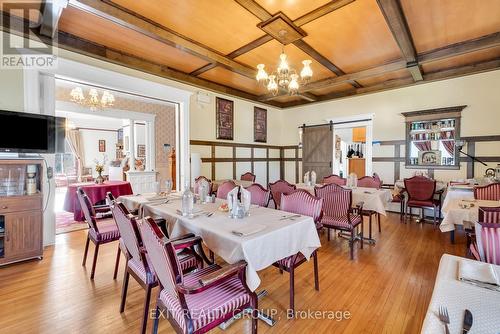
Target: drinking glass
pixel 156 186
pixel 168 187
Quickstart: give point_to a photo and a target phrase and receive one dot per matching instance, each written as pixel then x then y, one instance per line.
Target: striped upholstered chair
pixel 490 192
pixel 260 195
pixel 196 302
pixel 489 215
pixel 487 245
pixel 225 188
pixel 137 264
pixel 338 213
pixel 335 179
pixel 248 176
pixel 101 231
pixel 303 203
pixel 421 191
pixel 279 188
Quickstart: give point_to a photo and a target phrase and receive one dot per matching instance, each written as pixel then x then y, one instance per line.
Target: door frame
pixel 363 120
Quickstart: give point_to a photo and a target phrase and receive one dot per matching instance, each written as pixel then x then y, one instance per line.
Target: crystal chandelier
pixel 92 101
pixel 284 77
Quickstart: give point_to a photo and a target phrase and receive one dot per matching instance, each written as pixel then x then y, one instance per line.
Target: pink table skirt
pixel 95 192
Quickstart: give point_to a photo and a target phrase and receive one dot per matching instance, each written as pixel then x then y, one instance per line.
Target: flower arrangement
pixel 99 168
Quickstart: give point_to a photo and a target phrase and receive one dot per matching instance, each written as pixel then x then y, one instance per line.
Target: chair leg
pixel 316 273
pixel 94 262
pixel 124 290
pixel 117 263
pixel 328 232
pixel 435 209
pixel 86 251
pixel 292 289
pixel 146 309
pixel 156 320
pixel 362 228
pixel 351 244
pixel 255 318
pixel 379 227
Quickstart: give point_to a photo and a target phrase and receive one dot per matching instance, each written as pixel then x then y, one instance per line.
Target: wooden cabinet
pixel 21 215
pixel 357 166
pixel 23 236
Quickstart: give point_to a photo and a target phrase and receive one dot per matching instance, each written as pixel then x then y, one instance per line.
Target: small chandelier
pixel 92 101
pixel 284 77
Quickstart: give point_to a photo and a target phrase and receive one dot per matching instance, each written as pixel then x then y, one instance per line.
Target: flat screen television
pixel 27 133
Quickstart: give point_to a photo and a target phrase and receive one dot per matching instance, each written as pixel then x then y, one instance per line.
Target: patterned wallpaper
pixel 164 121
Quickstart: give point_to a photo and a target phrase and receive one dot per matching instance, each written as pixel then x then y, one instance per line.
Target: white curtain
pixel 75 143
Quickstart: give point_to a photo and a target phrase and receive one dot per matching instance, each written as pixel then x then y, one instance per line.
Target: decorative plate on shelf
pixel 430 158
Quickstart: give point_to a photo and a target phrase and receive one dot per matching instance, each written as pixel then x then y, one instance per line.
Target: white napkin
pixel 313 177
pixel 246 198
pixel 232 199
pixel 244 230
pixel 306 177
pixel 478 273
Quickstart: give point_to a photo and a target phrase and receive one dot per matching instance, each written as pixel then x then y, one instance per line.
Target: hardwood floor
pixel 386 288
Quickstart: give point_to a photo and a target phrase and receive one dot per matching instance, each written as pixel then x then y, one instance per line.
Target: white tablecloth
pixel 278 239
pixel 455 215
pixel 458 296
pixel 373 199
pixel 458 192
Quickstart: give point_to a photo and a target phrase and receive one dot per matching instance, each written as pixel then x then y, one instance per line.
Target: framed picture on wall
pixel 102 145
pixel 141 151
pixel 224 110
pixel 259 125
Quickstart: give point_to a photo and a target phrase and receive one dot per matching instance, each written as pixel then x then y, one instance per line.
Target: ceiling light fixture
pixel 284 77
pixel 92 101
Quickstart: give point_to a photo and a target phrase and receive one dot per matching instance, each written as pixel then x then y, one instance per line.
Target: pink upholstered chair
pixel 197 184
pixel 196 302
pixel 371 182
pixel 335 179
pixel 101 231
pixel 490 192
pixel 225 188
pixel 487 245
pixel 260 195
pixel 248 176
pixel 279 188
pixel 421 190
pixel 137 264
pixel 378 179
pixel 303 203
pixel 338 213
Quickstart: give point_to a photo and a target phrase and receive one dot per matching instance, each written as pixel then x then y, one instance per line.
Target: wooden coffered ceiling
pixel 357 46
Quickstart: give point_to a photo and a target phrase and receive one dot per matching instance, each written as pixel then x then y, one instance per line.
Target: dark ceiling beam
pixel 308 97
pixel 51 13
pixel 321 11
pixel 406 82
pixel 394 16
pixel 128 20
pixel 238 52
pixel 20 27
pixel 461 48
pixel 203 69
pixel 262 14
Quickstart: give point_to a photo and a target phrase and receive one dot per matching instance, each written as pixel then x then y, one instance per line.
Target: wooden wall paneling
pixel 267 165
pixel 297 174
pixel 471 150
pixel 252 162
pixel 212 155
pixel 397 164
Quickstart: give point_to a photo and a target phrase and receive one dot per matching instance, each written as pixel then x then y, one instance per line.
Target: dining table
pixel 457 296
pixel 261 238
pixel 96 194
pixel 462 212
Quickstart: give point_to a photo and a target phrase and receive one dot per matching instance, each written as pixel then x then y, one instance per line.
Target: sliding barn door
pixel 317 151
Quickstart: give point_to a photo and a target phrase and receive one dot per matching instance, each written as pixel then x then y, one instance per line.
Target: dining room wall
pixel 480 118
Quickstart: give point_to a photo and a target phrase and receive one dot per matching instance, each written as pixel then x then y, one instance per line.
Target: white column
pixel 131 143
pixel 150 146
